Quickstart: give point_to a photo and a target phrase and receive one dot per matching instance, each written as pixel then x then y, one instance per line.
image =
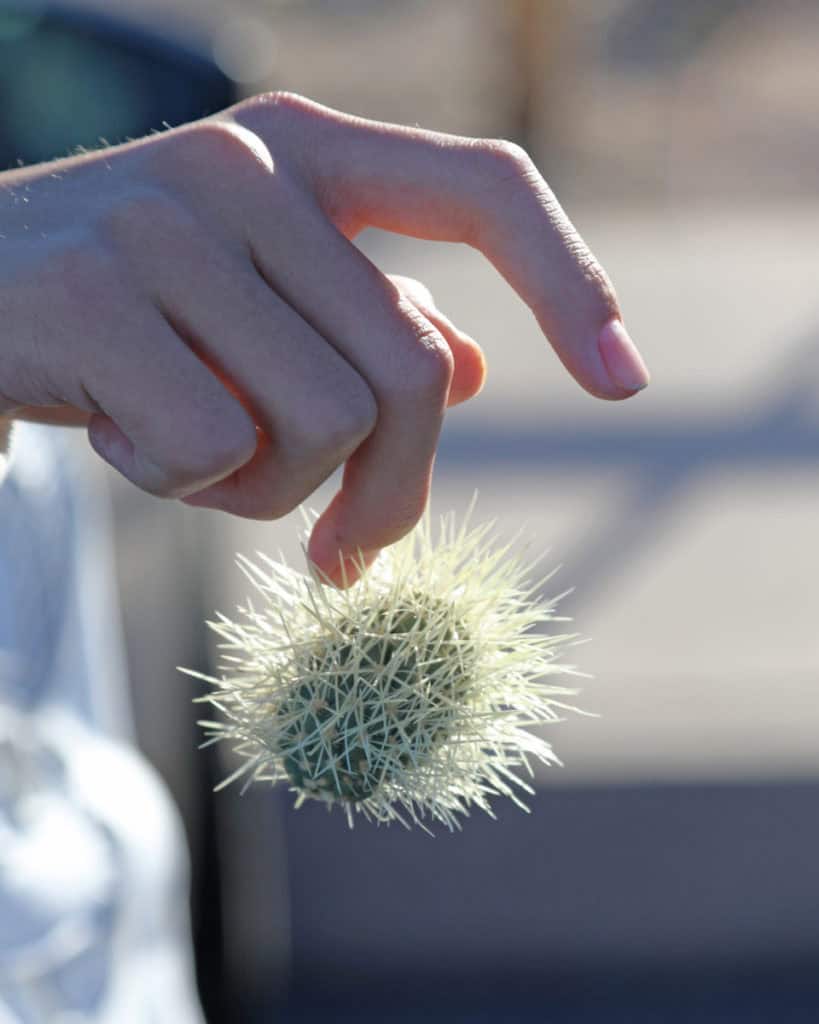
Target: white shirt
pixel 93 874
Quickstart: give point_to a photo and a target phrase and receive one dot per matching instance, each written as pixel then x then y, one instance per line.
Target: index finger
pixel 486 193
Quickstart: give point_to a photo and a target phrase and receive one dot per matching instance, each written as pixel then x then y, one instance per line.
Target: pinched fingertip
pixel 334 565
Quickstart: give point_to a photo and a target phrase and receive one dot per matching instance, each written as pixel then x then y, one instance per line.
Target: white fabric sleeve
pixel 5 444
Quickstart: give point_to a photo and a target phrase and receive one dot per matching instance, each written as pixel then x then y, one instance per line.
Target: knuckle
pixel 428 374
pixel 278 109
pixel 218 147
pixel 235 441
pixel 502 160
pixel 273 102
pixel 225 445
pixel 504 176
pixel 334 430
pixel 216 142
pixel 414 289
pixel 436 365
pixel 352 421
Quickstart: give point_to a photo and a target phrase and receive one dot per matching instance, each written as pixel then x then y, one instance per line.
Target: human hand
pixel 196 299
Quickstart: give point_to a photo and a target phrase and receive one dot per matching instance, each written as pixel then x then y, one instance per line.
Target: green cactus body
pixel 374 700
pixel 409 696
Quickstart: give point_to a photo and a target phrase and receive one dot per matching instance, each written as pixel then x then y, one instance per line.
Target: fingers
pixel 405 361
pixel 175 428
pixel 311 407
pixel 485 193
pixel 246 391
pixel 469 370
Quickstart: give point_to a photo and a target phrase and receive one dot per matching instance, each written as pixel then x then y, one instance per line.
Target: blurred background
pixel 670 872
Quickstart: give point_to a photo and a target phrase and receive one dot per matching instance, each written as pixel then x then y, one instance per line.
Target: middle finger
pixel 311 406
pixel 400 354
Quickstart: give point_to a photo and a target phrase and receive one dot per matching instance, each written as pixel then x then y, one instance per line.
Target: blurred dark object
pixel 71 79
pixel 687 903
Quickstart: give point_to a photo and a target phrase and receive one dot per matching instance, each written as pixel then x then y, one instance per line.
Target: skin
pixel 195 301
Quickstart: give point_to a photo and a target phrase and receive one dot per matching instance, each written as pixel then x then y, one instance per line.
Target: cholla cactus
pixel 407 696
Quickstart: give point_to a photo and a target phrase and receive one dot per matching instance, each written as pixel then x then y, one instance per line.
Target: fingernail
pixel 623 362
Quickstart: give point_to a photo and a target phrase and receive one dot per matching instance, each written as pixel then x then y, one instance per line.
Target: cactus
pixel 410 695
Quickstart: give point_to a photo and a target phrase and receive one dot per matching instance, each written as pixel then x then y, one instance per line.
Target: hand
pixel 195 298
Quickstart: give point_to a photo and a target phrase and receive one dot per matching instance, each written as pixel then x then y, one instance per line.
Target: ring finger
pixel 312 409
pixel 402 356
